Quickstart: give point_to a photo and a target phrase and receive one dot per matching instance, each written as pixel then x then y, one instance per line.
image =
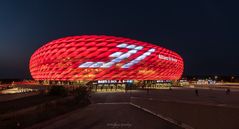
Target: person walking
pixel 196 92
pixel 228 91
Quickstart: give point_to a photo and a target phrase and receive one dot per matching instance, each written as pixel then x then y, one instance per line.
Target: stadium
pixel 104 59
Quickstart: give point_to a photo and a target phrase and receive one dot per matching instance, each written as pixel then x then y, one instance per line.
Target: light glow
pixel 91 57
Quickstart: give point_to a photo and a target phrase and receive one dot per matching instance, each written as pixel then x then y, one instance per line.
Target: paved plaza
pixel 115 110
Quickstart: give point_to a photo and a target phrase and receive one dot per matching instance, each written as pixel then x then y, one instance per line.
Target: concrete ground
pixel 205 96
pixel 113 110
pixel 107 116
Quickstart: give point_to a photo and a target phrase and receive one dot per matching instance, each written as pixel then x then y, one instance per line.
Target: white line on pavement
pixel 180 124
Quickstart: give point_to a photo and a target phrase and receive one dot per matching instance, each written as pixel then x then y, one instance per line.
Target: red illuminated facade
pixel 92 57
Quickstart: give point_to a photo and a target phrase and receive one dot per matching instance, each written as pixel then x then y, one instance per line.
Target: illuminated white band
pixel 119 56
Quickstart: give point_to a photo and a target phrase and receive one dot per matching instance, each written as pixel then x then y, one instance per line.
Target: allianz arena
pixel 92 57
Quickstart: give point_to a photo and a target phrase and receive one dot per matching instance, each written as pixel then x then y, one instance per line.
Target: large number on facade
pixel 119 56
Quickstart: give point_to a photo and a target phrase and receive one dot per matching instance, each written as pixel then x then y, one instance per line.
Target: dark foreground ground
pixel 211 108
pixel 108 111
pixel 107 116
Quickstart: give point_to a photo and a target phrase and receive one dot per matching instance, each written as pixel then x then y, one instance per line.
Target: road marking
pixel 180 124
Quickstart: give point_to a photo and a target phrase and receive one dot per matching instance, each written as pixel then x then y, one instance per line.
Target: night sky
pixel 204 32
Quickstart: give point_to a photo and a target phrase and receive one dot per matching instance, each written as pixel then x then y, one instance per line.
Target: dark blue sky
pixel 203 32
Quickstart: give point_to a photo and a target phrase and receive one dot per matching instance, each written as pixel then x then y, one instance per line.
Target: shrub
pixel 58 91
pixel 82 95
